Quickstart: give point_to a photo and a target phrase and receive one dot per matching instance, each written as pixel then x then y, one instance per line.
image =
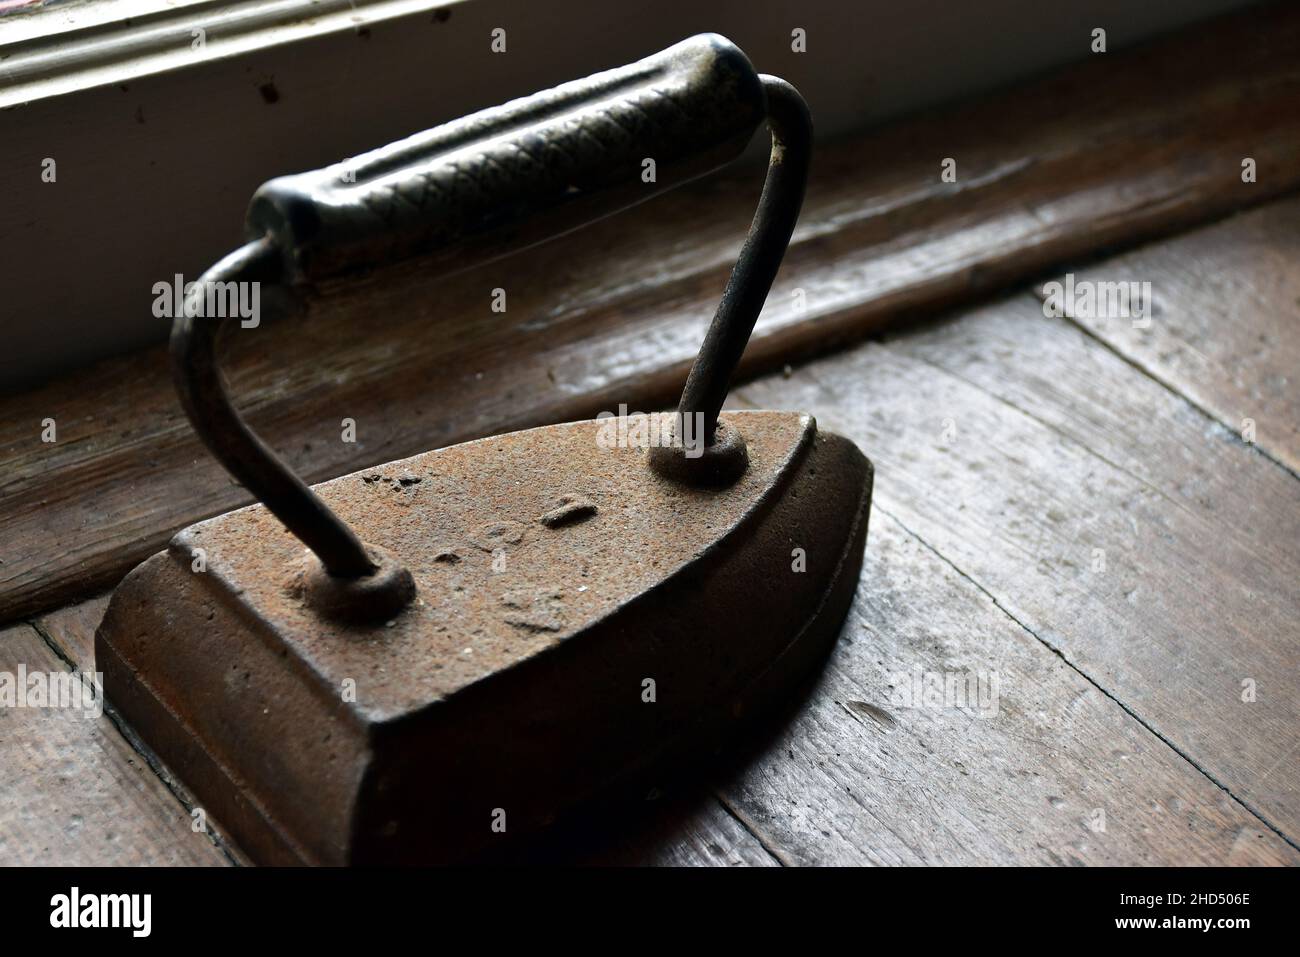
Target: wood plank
pixel 700 835
pixel 1111 151
pixel 1024 451
pixel 72 630
pixel 1226 311
pixel 1056 773
pixel 76 793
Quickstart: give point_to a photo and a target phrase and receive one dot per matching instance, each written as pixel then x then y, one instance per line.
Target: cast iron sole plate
pixel 580 623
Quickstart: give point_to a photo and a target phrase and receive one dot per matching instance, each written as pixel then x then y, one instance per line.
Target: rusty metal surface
pixel 553 577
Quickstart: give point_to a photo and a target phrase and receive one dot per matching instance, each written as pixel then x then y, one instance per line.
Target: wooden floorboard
pixel 1111 151
pixel 689 827
pixel 1117 523
pixel 701 834
pixel 75 791
pixel 72 630
pixel 1223 331
pixel 1054 773
pixel 1010 446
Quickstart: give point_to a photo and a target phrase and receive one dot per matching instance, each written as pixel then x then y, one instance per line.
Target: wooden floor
pixel 1012 450
pixel 1105 516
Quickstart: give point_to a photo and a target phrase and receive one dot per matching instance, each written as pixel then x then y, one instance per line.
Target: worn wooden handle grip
pixel 510 176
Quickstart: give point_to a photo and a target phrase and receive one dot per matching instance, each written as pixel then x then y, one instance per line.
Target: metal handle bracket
pixel 479 187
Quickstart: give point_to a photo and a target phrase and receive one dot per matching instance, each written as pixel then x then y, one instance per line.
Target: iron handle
pixel 504 178
pixel 320 225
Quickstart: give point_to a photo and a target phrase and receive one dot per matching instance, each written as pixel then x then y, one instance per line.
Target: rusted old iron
pixel 477 640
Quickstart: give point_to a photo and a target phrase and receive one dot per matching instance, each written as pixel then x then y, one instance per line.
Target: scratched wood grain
pixel 1226 305
pixel 693 833
pixel 1049 770
pixel 1121 526
pixel 1114 150
pixel 75 791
